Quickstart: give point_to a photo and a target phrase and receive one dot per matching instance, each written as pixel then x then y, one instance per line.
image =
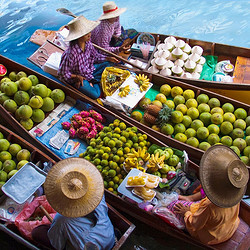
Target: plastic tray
pixel 24 183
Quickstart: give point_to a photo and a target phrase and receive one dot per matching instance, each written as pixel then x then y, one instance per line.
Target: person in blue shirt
pixel 74 188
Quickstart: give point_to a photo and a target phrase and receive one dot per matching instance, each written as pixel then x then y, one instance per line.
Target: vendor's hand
pixel 79 81
pixel 184 198
pixel 112 59
pixel 124 47
pixel 181 209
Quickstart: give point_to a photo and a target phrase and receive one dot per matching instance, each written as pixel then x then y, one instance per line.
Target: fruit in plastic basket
pixel 27 123
pixel 57 95
pixel 23 154
pixel 21 163
pixel 41 90
pixel 4 144
pixel 14 149
pixel 48 104
pixel 173 160
pixel 36 102
pixel 21 97
pixel 10 88
pixel 24 111
pixel 10 105
pixel 24 84
pixel 37 115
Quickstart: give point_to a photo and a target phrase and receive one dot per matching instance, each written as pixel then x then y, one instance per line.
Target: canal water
pixel 220 21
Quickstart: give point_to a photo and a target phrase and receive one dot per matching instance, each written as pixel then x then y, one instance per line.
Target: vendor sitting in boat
pixel 215 218
pixel 109 34
pixel 74 188
pixel 77 66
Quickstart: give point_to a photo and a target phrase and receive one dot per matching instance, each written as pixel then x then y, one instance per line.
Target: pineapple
pixel 149 118
pixel 164 115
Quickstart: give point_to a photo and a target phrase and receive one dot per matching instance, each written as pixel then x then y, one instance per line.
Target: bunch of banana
pixel 124 91
pixel 141 154
pixel 142 81
pixel 130 162
pixel 156 161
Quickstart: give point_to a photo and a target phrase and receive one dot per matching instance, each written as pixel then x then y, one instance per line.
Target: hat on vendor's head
pixel 80 26
pixel 110 10
pixel 74 187
pixel 223 176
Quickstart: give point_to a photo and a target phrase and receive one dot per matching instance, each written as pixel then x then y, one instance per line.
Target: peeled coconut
pixel 194 57
pixel 170 39
pixel 198 68
pixel 168 46
pixel 184 56
pixel 187 48
pixel 180 44
pixel 197 49
pixel 177 53
pixel 153 69
pixel 159 46
pixel 195 75
pixel 187 75
pixel 202 60
pixel 177 70
pixel 166 72
pixel 160 62
pixel 164 54
pixel 189 66
pixel 153 62
pixel 169 64
pixel 179 62
pixel 156 54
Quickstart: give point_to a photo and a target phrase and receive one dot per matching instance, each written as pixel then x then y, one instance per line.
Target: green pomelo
pixel 23 154
pixel 24 84
pixel 202 98
pixel 173 160
pixel 236 150
pixel 213 129
pixel 205 118
pixel 21 163
pixel 237 133
pixel 226 140
pixel 14 149
pixel 245 159
pixel 187 121
pixel 181 137
pixel 217 118
pixel 5 155
pixel 41 90
pixel 230 117
pixel 27 123
pixel 192 141
pixel 247 139
pixel 11 173
pixel 137 115
pixel 21 97
pixel 240 123
pixel 3 85
pixel 4 144
pixel 165 89
pixel 176 90
pixel 49 92
pixel 1 135
pixel 17 115
pixel 188 94
pixel 33 79
pixel 36 102
pixel 228 107
pixel 203 107
pixel 190 132
pixel 179 99
pixel 193 113
pixel 214 102
pixel 167 129
pixel 3 176
pixel 12 76
pixel 202 133
pixel 247 120
pixel 37 115
pixel 57 95
pixel 144 102
pixel 240 113
pixel 181 107
pixel 176 116
pixel 217 110
pixel 10 105
pixel 246 151
pixel 213 139
pixel 5 79
pixel 248 131
pixel 10 88
pixel 197 124
pixel 48 104
pixel 20 74
pixel 226 128
pixel 191 103
pixel 160 97
pixel 3 98
pixel 240 143
pixel 204 145
pixel 9 165
pixel 25 112
pixel 179 128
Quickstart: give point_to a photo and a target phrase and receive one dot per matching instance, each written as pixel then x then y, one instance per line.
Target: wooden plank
pixel 242 70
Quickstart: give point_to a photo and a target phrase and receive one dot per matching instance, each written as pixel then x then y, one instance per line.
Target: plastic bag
pixel 24 221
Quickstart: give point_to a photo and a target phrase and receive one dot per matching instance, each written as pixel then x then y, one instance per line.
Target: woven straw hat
pixel 110 10
pixel 223 176
pixel 74 187
pixel 79 27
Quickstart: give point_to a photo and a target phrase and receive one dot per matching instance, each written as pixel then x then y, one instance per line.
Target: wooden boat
pixel 38 157
pixel 119 202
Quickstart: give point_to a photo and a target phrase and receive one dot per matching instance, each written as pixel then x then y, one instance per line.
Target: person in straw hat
pixel 224 179
pixel 109 34
pixel 79 65
pixel 74 188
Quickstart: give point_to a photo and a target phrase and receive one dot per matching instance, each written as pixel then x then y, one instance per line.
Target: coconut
pixel 187 48
pixel 197 49
pixel 189 65
pixel 179 62
pixel 163 53
pixel 184 56
pixel 177 70
pixel 195 75
pixel 198 68
pixel 153 62
pixel 187 75
pixel 168 46
pixel 177 53
pixel 153 69
pixel 202 60
pixel 156 54
pixel 194 57
pixel 166 72
pixel 169 64
pixel 160 45
pixel 170 39
pixel 180 44
pixel 171 58
pixel 160 62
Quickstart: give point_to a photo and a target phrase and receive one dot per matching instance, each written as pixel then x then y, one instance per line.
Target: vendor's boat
pixel 241 237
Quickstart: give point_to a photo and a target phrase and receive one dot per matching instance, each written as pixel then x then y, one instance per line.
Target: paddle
pixel 69 13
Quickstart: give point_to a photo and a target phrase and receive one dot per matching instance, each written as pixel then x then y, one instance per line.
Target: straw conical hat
pixel 223 176
pixel 80 26
pixel 74 187
pixel 110 10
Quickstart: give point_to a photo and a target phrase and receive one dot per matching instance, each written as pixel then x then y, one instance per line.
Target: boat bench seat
pixel 242 70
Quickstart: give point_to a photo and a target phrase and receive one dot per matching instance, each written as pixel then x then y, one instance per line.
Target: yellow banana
pixel 124 91
pixel 142 81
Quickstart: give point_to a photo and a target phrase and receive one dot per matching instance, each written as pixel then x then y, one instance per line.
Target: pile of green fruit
pixel 27 99
pixel 12 158
pixel 199 121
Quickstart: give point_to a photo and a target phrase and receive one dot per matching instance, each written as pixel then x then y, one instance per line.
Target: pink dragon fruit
pixel 80 135
pixel 91 134
pixel 84 114
pixel 72 132
pixel 83 130
pixel 97 116
pixel 99 126
pixel 66 125
pixel 85 124
pixel 75 124
pixel 76 117
pixel 90 120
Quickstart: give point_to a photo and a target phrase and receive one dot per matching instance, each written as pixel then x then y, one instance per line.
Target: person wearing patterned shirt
pixel 81 64
pixel 109 33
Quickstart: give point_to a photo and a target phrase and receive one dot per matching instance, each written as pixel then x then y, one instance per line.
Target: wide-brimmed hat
pixel 223 176
pixel 79 27
pixel 110 10
pixel 74 187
